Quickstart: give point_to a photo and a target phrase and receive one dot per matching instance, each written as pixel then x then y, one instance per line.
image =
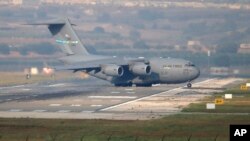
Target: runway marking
pixel 57 85
pixel 26 89
pixel 15 86
pixel 8 99
pixel 175 89
pixel 87 111
pixel 96 105
pixel 129 89
pixel 130 92
pixel 39 111
pixel 115 92
pixel 198 83
pixel 11 87
pixel 75 105
pixel 114 97
pixel 55 105
pixel 112 107
pixel 63 111
pixel 15 110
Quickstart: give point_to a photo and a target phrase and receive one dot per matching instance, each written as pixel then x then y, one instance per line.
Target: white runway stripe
pixel 26 89
pixel 112 107
pixel 115 92
pixel 96 105
pixel 15 86
pixel 15 110
pixel 175 89
pixel 39 111
pixel 114 97
pixel 11 87
pixel 130 92
pixel 75 105
pixel 55 105
pixel 129 89
pixel 87 111
pixel 57 85
pixel 63 111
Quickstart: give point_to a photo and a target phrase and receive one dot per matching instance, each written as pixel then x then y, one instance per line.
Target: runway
pixel 96 99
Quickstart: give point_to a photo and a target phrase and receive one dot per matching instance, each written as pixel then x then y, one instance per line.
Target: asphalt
pixel 97 99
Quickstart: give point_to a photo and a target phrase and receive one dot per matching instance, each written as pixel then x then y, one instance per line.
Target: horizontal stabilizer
pixel 52 22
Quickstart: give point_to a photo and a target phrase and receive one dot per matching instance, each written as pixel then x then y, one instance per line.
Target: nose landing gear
pixel 189 85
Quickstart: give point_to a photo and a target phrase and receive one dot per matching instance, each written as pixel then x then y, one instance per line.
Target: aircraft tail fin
pixel 66 37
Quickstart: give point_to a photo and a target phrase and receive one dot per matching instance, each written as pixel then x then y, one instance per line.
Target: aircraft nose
pixel 196 72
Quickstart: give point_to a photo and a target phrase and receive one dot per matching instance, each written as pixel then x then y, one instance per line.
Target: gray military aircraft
pixel 119 71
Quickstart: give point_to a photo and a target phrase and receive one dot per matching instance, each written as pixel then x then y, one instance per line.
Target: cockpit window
pixel 190 64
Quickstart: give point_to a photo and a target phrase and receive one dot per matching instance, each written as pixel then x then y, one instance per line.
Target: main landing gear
pixel 124 85
pixel 144 85
pixel 189 85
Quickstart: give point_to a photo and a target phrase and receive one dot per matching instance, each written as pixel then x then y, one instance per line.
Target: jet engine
pixel 141 69
pixel 112 70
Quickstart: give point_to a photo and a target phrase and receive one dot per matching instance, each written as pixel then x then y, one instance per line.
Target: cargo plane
pixel 119 71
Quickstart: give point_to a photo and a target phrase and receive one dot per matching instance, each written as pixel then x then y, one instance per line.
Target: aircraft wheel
pixel 189 85
pixel 129 84
pixel 148 85
pixel 117 85
pixel 124 85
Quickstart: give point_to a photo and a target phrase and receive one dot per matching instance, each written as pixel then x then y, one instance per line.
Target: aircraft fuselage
pixel 163 71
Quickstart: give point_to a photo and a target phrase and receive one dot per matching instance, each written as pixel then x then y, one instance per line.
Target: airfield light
pixel 48 71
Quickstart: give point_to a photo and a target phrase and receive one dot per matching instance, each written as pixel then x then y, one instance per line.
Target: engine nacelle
pixel 112 70
pixel 141 69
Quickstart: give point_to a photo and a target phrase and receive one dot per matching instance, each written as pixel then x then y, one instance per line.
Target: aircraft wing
pixel 96 65
pixel 76 68
pixel 88 66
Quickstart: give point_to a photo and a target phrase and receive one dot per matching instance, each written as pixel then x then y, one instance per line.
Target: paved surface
pixel 95 99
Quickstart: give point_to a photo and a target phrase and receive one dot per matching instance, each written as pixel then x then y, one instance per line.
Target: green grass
pixel 175 127
pixel 239 104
